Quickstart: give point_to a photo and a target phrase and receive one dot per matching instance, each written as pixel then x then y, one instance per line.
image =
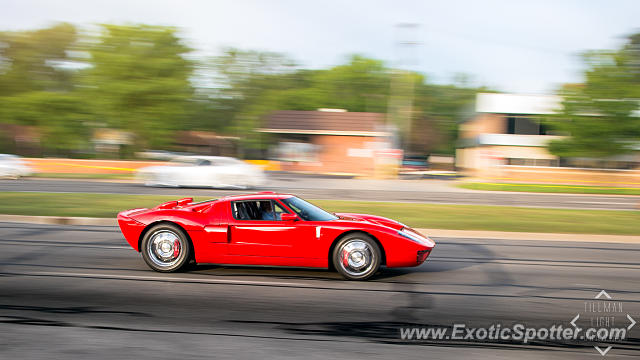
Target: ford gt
pixel 270 229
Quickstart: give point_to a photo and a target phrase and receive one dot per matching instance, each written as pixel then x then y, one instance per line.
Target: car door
pixel 214 240
pixel 257 231
pixel 199 174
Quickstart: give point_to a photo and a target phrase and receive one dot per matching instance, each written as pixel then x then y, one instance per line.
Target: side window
pixel 279 210
pixel 257 210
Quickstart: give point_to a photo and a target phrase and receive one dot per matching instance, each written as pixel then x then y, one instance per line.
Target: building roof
pixel 517 104
pixel 325 123
pixel 201 138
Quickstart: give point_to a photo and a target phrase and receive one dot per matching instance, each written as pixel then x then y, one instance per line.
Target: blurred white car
pixel 13 167
pixel 203 171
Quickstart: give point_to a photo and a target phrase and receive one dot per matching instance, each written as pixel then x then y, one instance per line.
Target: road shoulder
pixel 512 235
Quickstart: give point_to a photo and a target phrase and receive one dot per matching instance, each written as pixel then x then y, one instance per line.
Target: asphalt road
pixel 425 191
pixel 80 292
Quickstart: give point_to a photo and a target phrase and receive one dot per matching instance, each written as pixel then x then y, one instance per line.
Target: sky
pixel 512 46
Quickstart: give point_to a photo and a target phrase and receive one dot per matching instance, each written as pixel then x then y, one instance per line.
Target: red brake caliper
pixel 345 258
pixel 176 248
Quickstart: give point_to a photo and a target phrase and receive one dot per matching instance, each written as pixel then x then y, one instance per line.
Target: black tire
pixel 357 256
pixel 166 248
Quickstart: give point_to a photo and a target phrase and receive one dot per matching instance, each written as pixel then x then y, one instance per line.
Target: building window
pixel 523 125
pixel 575 163
pixel 511 125
pixel 626 164
pixel 532 162
pixel 296 152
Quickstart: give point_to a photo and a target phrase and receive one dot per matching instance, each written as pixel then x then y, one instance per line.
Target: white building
pixel 506 129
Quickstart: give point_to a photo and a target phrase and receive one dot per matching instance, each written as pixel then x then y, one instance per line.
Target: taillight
pixel 422 256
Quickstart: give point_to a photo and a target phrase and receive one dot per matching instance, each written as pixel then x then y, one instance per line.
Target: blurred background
pixel 360 90
pixel 509 131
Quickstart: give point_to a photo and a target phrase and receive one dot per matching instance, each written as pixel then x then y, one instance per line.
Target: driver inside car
pixel 266 211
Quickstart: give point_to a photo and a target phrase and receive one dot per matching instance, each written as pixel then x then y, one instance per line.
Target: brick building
pixel 206 143
pixel 329 141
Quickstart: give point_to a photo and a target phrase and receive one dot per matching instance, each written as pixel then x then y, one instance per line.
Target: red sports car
pixel 270 229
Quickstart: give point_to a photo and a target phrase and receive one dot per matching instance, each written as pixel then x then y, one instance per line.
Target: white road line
pixel 116 247
pixel 163 278
pixel 603 202
pixel 538 263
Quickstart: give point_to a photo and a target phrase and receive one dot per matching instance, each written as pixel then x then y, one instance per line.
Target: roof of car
pixel 259 195
pixel 205 157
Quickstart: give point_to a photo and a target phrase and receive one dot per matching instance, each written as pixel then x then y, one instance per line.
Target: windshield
pixel 183 161
pixel 205 161
pixel 308 211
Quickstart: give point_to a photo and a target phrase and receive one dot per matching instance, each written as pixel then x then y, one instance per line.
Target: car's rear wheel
pixel 357 256
pixel 165 248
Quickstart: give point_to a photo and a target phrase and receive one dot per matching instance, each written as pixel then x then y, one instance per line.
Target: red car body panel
pixel 218 238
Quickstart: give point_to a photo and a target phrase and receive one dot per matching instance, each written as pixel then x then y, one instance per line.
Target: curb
pixel 123 181
pixel 59 220
pixel 436 233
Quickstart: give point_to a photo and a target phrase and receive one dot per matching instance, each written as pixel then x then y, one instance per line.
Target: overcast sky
pixel 517 46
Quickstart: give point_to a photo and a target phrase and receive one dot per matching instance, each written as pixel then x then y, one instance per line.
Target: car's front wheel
pixel 165 248
pixel 357 256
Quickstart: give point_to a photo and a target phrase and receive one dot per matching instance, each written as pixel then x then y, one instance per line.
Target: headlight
pixel 416 238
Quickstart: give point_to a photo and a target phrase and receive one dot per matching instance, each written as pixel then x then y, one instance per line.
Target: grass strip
pixel 459 217
pixel 551 188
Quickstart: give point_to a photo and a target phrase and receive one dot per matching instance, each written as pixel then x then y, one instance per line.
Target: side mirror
pixel 288 217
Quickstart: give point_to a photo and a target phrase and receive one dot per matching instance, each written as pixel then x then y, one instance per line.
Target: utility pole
pixel 402 91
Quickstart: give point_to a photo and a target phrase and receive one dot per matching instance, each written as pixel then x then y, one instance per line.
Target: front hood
pixel 372 219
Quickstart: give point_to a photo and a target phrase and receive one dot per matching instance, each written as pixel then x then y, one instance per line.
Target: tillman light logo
pixel 604 316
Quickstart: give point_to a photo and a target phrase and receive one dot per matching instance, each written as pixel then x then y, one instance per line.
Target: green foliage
pixel 440 109
pixel 138 78
pixel 28 59
pixel 253 84
pixel 35 87
pixel 599 114
pixel 139 81
pixel 550 188
pixel 360 85
pixel 60 118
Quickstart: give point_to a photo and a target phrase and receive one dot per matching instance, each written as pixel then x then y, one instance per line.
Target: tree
pixel 140 81
pixel 37 90
pixel 137 78
pixel 601 115
pixel 60 118
pixel 29 59
pixel 251 84
pixel 245 84
pixel 441 108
